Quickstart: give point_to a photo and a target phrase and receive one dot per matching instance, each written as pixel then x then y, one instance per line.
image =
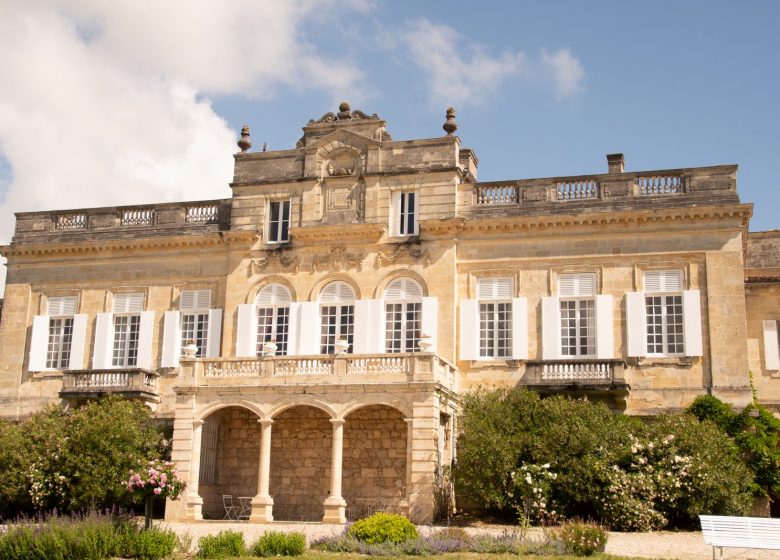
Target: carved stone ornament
pixel 278 260
pixel 403 253
pixel 345 114
pixel 338 260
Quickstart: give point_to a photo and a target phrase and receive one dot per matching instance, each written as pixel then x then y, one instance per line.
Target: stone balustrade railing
pixel 584 371
pixel 704 182
pixel 124 220
pixel 131 382
pixel 345 368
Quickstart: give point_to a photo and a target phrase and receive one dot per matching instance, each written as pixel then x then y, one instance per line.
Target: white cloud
pixel 103 103
pixel 460 71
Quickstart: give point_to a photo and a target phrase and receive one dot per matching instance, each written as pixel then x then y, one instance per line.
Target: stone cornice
pixel 215 239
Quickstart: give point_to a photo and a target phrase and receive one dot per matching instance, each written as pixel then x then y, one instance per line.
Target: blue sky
pixel 137 102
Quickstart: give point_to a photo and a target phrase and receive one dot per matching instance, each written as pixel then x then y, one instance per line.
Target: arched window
pixel 403 310
pixel 273 317
pixel 337 316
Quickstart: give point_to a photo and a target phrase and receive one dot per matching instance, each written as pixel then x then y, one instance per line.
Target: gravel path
pixel 662 544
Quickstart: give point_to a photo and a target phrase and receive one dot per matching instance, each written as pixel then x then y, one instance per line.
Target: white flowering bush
pixel 531 492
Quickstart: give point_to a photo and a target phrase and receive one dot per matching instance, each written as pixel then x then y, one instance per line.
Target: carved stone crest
pixel 337 260
pixel 279 260
pixel 404 253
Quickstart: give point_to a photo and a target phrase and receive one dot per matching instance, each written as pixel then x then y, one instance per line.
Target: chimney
pixel 615 163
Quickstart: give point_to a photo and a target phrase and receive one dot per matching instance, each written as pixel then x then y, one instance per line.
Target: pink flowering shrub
pixel 159 478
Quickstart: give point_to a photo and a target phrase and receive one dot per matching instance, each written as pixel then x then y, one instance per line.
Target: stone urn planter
pixel 341 345
pixel 269 348
pixel 425 342
pixel 190 349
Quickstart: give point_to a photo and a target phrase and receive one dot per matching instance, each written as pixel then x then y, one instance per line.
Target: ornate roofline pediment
pixel 346 136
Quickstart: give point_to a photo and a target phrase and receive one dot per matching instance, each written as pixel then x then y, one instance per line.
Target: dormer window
pixel 278 221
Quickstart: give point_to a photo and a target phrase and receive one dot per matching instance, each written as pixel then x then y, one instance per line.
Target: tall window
pixel 403 310
pixel 495 317
pixel 278 221
pixel 337 316
pixel 194 307
pixel 127 325
pixel 664 312
pixel 273 318
pixel 404 213
pixel 61 311
pixel 578 314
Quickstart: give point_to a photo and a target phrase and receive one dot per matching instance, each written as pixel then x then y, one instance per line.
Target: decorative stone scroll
pixel 278 259
pixel 404 253
pixel 337 260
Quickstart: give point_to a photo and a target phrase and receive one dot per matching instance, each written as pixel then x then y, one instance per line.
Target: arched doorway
pixel 300 463
pixel 374 471
pixel 229 458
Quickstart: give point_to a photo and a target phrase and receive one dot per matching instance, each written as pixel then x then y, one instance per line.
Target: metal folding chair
pixel 231 511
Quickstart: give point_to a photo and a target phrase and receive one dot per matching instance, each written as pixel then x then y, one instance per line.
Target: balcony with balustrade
pixel 579 377
pixel 132 383
pixel 342 369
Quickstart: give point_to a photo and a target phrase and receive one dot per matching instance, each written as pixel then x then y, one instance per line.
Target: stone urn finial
pixel 345 111
pixel 450 126
pixel 245 142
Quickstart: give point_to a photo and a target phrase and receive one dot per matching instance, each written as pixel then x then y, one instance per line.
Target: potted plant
pixel 425 342
pixel 159 478
pixel 190 348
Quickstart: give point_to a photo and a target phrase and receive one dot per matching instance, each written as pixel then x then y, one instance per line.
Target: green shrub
pixel 222 545
pixel 151 544
pixel 383 527
pixel 275 543
pixel 581 539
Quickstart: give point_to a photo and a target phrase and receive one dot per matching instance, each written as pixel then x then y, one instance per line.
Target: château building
pixel 309 337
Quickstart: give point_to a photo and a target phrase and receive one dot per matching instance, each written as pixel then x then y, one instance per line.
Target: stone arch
pixel 229 455
pixel 302 400
pixel 375 459
pixel 267 280
pixel 301 448
pixel 402 407
pixel 204 412
pixel 335 277
pixel 382 285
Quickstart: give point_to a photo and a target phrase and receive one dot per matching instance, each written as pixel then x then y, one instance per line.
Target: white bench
pixel 740 532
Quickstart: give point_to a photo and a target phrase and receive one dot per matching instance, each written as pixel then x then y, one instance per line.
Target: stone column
pixel 194 501
pixel 335 505
pixel 404 503
pixel 263 503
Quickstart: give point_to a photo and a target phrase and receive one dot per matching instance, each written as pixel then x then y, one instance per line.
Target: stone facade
pixel 640 289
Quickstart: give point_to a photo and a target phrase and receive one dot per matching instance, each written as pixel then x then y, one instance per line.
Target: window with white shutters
pixel 278 221
pixel 771 345
pixel 404 213
pixel 194 308
pixel 495 317
pixel 337 316
pixel 664 312
pixel 577 298
pixel 127 326
pixel 403 315
pixel 273 318
pixel 61 311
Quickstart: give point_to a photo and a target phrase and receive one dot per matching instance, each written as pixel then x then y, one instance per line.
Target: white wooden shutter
pixel 369 337
pixel 191 300
pixel 129 303
pixel 605 344
pixel 309 329
pixel 403 289
pixel 469 329
pixel 636 332
pixel 551 328
pixel 337 292
pixel 62 305
pixel 494 288
pixel 771 348
pixel 576 285
pixel 171 347
pixel 663 281
pixel 429 323
pixel 145 332
pixel 104 341
pixel 273 294
pixel 293 325
pixel 78 341
pixel 519 328
pixel 417 213
pixel 692 322
pixel 39 343
pixel 395 213
pixel 246 331
pixel 214 342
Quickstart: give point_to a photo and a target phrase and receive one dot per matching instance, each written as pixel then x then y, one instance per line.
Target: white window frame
pixel 580 290
pixel 406 294
pixel 282 220
pixel 59 342
pixel 194 308
pixel 492 294
pixel 274 302
pixel 125 348
pixel 668 286
pixel 336 303
pixel 405 207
